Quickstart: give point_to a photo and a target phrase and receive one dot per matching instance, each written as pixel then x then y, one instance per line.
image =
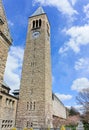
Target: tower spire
pixel 39 11
pixel 4 30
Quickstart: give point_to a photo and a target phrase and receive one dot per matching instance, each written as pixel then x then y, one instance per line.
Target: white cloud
pixel 63 6
pixel 86 11
pixel 82 63
pixel 63 96
pixel 80 84
pixel 79 36
pixel 64 49
pixel 13 67
pixel 10 23
pixel 73 2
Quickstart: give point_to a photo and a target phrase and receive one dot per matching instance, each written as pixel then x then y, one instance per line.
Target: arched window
pixel 31 124
pixel 40 22
pixel 33 24
pixel 34 105
pixel 30 105
pixel 27 123
pixel 36 23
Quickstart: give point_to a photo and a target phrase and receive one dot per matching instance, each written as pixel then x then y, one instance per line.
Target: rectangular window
pixel 7 101
pixel 30 105
pixel 7 123
pixel 1 21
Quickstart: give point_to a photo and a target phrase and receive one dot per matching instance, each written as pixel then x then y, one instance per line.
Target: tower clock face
pixel 35 34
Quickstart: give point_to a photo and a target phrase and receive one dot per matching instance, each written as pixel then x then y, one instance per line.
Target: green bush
pixel 72 127
pixel 86 126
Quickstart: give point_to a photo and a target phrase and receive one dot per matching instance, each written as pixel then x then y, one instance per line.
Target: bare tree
pixel 83 99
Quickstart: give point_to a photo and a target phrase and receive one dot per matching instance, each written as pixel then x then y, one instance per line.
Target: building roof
pixel 39 11
pixel 5 86
pixel 7 94
pixel 16 92
pixel 53 95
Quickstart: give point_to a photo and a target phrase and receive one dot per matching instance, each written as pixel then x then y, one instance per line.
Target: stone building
pixel 59 110
pixel 36 105
pixel 8 102
pixel 35 98
pixel 5 41
pixel 8 105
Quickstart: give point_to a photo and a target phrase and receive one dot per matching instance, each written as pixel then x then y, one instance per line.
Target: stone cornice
pixel 9 41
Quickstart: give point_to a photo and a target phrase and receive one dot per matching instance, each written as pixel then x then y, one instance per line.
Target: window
pixel 1 21
pixel 34 105
pixel 2 126
pixel 33 24
pixel 36 23
pixel 3 121
pixel 33 63
pixel 7 123
pixel 0 97
pixel 39 22
pixel 27 123
pixel 30 105
pixel 7 101
pixel 13 102
pixel 0 100
pixel 31 124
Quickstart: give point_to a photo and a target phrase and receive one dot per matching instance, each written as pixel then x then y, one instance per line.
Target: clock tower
pixel 35 98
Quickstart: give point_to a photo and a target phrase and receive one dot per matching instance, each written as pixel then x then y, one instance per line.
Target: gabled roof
pixel 39 11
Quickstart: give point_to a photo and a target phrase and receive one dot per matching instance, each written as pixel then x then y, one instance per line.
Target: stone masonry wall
pixel 35 90
pixel 8 106
pixel 59 109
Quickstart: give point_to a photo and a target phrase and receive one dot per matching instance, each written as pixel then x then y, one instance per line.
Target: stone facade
pixel 35 106
pixel 8 105
pixel 59 110
pixel 5 41
pixel 35 99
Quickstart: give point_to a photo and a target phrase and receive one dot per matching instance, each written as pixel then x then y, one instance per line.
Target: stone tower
pixel 35 99
pixel 5 41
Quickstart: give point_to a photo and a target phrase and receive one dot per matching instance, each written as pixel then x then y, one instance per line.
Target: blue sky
pixel 69 21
